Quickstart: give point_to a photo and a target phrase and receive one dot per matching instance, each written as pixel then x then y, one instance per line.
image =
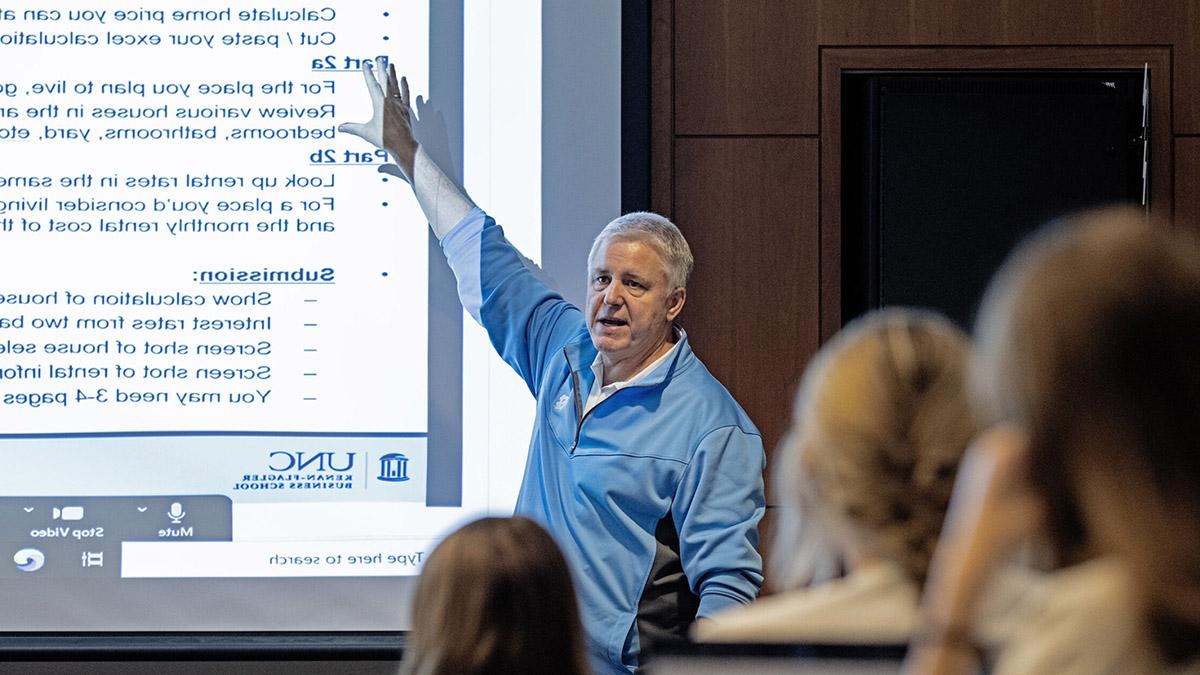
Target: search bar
pixel 223 559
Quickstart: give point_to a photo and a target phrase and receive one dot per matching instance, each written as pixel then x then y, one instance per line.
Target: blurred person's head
pixel 880 423
pixel 496 597
pixel 1089 338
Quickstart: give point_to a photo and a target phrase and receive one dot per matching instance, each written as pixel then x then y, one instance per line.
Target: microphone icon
pixel 176 513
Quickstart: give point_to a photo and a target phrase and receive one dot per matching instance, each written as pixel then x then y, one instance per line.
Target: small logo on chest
pixel 561 402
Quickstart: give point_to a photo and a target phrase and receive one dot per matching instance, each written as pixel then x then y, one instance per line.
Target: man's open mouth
pixel 613 322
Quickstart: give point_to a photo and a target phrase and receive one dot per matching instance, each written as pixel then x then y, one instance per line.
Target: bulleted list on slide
pixel 186 242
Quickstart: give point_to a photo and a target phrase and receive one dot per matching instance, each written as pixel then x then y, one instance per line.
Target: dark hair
pixel 496 597
pixel 1090 339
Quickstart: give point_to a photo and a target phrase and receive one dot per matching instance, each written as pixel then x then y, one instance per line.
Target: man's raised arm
pixel 499 287
pixel 391 128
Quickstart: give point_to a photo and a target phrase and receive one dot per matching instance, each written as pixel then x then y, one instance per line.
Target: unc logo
pixel 561 402
pixel 393 467
pixel 312 461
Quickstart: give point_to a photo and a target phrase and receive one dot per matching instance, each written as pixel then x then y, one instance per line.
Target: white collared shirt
pixel 600 392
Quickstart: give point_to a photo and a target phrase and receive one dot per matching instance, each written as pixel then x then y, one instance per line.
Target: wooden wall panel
pixel 859 22
pixel 662 105
pixel 1187 88
pixel 1187 71
pixel 1125 22
pixel 1008 22
pixel 1083 22
pixel 956 22
pixel 1031 22
pixel 748 207
pixel 1187 182
pixel 745 67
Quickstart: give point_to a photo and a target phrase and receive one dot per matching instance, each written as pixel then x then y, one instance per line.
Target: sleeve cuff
pixel 461 245
pixel 463 232
pixel 713 602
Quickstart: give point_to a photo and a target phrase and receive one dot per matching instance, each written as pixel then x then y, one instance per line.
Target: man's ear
pixel 675 303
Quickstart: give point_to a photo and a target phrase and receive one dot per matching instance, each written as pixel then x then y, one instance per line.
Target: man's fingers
pixel 392 88
pixel 381 66
pixel 403 90
pixel 372 85
pixel 354 128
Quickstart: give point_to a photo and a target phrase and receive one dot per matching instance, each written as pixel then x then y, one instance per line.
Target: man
pixel 641 464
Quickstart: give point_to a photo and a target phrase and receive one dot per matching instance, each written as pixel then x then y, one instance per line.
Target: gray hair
pixel 657 231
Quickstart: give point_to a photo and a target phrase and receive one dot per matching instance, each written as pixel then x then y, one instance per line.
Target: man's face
pixel 630 303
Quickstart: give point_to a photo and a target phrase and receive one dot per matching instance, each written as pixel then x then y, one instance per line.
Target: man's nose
pixel 613 295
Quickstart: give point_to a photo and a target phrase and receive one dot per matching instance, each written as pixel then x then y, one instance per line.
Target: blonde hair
pixel 1090 338
pixel 880 423
pixel 496 597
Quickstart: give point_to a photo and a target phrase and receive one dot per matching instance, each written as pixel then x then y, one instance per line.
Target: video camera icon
pixel 67 513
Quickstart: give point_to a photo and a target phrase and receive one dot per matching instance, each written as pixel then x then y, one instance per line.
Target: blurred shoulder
pixel 1084 620
pixel 876 604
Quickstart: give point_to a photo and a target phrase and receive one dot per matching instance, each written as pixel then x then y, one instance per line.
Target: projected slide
pixel 214 312
pixel 235 381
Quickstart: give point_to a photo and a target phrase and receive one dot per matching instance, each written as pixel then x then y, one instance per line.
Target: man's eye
pixel 601 279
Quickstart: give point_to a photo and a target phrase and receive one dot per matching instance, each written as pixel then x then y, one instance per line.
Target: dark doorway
pixel 943 172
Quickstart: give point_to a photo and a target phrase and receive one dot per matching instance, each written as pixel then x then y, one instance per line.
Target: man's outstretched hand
pixel 391 123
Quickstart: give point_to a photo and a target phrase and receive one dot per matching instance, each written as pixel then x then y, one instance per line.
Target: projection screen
pixel 237 392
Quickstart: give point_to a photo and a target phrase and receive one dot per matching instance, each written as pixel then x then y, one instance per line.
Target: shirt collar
pixel 598 392
pixel 582 353
pixel 598 371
